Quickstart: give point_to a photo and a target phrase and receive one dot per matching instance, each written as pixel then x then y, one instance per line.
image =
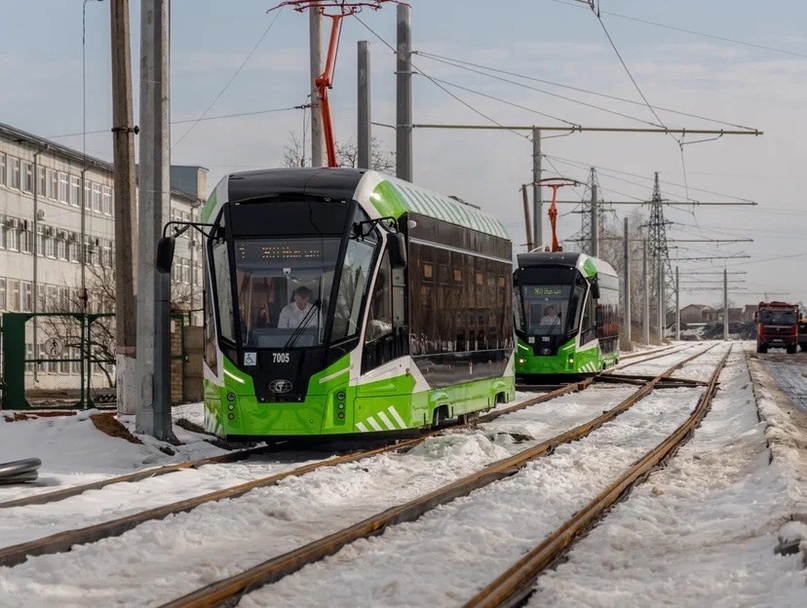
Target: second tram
pixel 566 316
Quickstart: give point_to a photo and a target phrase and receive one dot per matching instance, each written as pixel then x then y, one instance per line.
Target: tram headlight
pixel 230 397
pixel 522 360
pixel 231 416
pixel 341 406
pixel 231 406
pixel 340 395
pixel 340 415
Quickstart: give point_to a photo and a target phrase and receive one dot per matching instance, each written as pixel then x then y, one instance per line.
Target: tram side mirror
pixel 397 250
pixel 165 254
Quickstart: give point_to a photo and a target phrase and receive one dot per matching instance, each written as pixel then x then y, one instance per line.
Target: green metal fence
pixel 67 360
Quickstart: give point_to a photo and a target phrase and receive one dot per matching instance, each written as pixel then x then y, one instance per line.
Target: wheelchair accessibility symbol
pixel 250 359
pixel 53 347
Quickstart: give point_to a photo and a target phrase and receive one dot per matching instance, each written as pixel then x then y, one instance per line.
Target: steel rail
pixel 227 591
pixel 63 541
pixel 514 585
pixel 46 497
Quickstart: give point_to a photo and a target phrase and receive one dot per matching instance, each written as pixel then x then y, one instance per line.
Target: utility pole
pixel 123 132
pixel 646 274
pixel 595 246
pixel 527 223
pixel 725 305
pixel 363 121
pixel 315 58
pixel 154 289
pixel 627 315
pixel 677 307
pixel 403 123
pixel 537 196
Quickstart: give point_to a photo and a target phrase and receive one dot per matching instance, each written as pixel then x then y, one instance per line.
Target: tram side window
pixel 587 327
pixel 379 323
pixel 352 287
pixel 211 352
pixel 224 292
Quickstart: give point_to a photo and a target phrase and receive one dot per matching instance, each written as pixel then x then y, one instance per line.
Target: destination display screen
pixel 277 251
pixel 546 291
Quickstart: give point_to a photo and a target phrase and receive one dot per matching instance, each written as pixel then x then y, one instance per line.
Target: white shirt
pixel 291 316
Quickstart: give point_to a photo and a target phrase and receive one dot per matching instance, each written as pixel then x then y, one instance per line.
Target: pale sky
pixel 736 63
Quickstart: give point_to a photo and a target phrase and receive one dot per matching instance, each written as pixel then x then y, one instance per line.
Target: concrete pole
pixel 661 307
pixel 628 315
pixel 537 200
pixel 527 225
pixel 363 118
pixel 646 274
pixel 595 229
pixel 315 59
pixel 725 305
pixel 124 179
pixel 154 289
pixel 403 122
pixel 677 307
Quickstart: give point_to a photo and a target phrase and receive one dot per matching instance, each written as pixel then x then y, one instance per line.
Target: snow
pixel 706 530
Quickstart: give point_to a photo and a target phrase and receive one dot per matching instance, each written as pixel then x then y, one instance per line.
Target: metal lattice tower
pixel 660 290
pixel 592 195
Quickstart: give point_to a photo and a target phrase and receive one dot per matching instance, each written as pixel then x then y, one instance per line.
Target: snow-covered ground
pixel 701 532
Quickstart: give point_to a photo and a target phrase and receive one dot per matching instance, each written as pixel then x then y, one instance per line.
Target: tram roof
pixel 390 195
pixel 563 258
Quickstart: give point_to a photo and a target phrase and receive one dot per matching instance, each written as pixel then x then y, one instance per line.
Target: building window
pixel 75 190
pixel 50 249
pixel 96 197
pixel 61 249
pixel 27 296
pixel 88 195
pixel 15 173
pixel 53 184
pixel 14 295
pixel 25 241
pixel 2 169
pixel 12 243
pixel 3 294
pixel 2 237
pixel 27 177
pixel 64 193
pixel 42 181
pixel 106 205
pixel 73 253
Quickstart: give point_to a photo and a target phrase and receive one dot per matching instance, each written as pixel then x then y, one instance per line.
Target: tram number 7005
pixel 280 357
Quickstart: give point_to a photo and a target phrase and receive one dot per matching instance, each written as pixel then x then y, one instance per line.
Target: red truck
pixel 777 326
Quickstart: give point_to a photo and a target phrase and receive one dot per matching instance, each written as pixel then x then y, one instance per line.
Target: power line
pixel 187 120
pixel 229 82
pixel 462 64
pixel 694 32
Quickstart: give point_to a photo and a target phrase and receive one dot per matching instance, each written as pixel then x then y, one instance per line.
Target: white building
pixel 54 201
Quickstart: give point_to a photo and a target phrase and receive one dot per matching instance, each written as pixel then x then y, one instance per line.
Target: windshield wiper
pixel 301 327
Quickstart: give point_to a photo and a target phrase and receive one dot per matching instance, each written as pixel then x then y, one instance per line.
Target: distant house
pixel 749 310
pixel 698 313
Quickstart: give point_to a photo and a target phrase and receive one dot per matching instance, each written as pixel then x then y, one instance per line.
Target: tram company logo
pixel 280 386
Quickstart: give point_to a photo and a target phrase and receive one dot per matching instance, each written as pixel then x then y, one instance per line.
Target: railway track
pixel 226 592
pixel 64 541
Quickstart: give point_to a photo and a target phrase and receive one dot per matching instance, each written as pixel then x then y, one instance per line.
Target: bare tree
pixel 99 337
pixel 347 154
pixel 294 152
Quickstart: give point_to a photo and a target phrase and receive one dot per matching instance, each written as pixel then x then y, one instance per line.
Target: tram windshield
pixel 547 309
pixel 282 288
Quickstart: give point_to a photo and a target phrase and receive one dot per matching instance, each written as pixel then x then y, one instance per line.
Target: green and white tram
pixel 343 302
pixel 567 316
